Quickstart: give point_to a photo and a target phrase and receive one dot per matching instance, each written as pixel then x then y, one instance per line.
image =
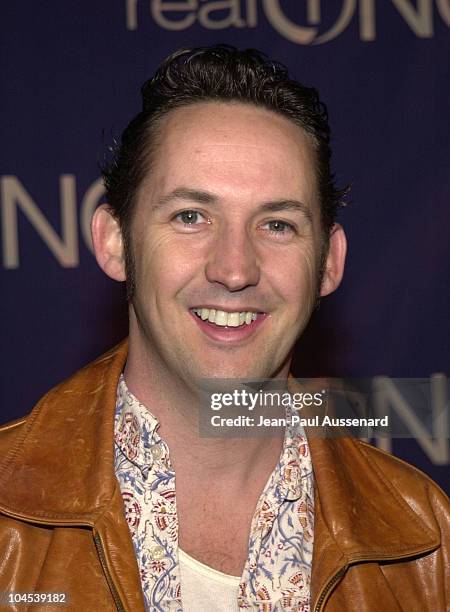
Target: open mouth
pixel 221 318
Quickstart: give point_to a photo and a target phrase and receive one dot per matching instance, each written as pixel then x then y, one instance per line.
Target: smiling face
pixel 226 244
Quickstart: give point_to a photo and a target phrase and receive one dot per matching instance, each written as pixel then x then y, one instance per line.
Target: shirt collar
pixel 136 433
pixel 295 466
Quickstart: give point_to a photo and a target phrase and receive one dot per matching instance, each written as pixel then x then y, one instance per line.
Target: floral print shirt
pixel 277 573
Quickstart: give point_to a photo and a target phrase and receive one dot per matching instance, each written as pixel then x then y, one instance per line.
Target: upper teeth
pixel 222 318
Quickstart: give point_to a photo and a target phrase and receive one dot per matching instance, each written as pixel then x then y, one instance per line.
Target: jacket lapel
pixel 67 441
pixel 359 515
pixel 61 470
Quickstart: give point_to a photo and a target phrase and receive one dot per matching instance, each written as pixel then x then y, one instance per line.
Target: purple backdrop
pixel 70 78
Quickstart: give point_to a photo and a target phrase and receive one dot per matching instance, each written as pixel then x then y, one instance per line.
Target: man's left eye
pixel 279 227
pixel 190 217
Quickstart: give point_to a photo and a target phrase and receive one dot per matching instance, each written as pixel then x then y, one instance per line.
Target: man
pixel 221 219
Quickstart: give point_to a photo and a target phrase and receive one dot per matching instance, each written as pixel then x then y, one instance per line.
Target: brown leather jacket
pixel 381 526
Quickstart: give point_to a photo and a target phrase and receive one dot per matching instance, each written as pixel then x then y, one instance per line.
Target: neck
pixel 235 460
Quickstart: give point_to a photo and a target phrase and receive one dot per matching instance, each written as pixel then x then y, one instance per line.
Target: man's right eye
pixel 190 217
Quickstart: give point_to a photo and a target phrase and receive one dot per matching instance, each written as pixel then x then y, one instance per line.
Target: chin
pixel 237 371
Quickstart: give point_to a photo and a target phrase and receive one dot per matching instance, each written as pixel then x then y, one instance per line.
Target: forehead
pixel 233 146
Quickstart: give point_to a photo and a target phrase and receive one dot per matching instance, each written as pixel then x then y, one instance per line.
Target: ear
pixel 335 260
pixel 108 243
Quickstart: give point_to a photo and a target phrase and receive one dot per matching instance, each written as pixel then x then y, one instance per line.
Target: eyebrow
pixel 294 205
pixel 191 195
pixel 204 197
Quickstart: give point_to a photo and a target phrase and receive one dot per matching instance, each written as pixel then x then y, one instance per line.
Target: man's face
pixel 228 220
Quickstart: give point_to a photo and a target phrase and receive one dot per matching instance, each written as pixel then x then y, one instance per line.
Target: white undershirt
pixel 204 589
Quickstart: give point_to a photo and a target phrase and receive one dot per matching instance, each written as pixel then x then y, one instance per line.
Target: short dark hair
pixel 219 73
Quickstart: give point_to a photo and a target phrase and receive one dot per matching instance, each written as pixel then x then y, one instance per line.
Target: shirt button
pixel 156 451
pixel 157 552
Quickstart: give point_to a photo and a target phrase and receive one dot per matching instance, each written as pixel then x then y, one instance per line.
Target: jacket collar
pixel 359 515
pixel 360 507
pixel 61 471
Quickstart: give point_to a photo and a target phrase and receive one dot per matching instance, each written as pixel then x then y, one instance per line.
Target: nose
pixel 232 260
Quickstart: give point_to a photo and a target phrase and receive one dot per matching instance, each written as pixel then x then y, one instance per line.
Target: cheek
pixel 296 276
pixel 161 261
